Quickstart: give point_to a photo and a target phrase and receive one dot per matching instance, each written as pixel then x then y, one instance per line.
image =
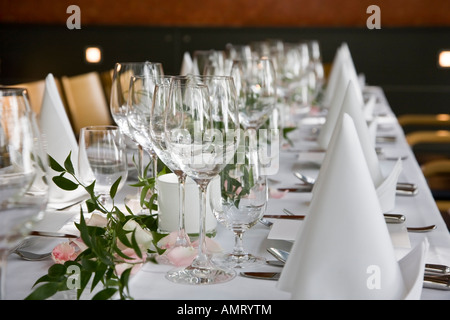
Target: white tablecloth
pixel 150 282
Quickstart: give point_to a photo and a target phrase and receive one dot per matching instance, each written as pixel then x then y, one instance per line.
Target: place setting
pixel 242 170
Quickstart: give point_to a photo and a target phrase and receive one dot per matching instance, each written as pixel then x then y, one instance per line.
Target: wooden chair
pixel 429 145
pixel 437 174
pixel 86 101
pixel 424 120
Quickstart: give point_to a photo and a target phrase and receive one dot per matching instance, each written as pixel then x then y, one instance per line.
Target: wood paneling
pixel 229 13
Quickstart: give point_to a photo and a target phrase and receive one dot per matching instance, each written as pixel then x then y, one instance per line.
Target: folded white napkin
pixel 59 136
pixel 342 59
pixel 344 77
pixel 344 250
pixel 386 186
pixel 186 64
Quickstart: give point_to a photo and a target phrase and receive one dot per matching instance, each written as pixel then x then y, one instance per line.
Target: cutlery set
pixel 436 276
pixel 403 188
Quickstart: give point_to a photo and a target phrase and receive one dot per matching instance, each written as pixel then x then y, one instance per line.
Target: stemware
pixel 123 71
pixel 157 136
pixel 202 135
pixel 238 204
pixel 23 173
pixel 255 82
pixel 141 88
pixel 102 158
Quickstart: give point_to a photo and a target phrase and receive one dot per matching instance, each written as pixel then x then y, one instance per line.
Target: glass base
pixel 200 275
pixel 239 261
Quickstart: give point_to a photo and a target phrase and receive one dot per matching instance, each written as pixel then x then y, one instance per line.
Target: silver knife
pixel 389 217
pixel 441 282
pixel 52 234
pixel 401 189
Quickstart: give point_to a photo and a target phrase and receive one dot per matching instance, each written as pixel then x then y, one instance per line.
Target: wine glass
pixel 102 158
pixel 23 173
pixel 157 136
pixel 141 88
pixel 255 81
pixel 123 71
pixel 202 135
pixel 238 204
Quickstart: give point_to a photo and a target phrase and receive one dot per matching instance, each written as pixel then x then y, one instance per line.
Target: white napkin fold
pixel 344 77
pixel 59 136
pixel 186 64
pixel 342 59
pixel 344 250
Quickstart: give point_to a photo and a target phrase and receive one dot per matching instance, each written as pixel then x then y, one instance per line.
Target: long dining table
pixel 150 283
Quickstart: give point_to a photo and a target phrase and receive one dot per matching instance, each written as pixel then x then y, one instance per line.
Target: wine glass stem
pixel 155 165
pixel 141 166
pixel 202 259
pixel 181 238
pixel 238 244
pixel 253 149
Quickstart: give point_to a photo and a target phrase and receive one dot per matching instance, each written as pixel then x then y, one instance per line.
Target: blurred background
pixel 401 57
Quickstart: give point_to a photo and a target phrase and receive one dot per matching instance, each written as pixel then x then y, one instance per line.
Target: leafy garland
pixel 97 263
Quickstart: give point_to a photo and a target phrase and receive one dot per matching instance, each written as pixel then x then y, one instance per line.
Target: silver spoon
pixel 31 256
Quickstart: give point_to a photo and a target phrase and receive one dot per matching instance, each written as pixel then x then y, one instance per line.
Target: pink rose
pixel 65 251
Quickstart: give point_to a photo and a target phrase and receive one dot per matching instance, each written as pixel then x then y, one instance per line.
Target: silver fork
pixel 268 224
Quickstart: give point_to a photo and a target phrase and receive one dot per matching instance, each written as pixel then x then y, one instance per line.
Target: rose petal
pixel 97 220
pixel 180 256
pixel 276 194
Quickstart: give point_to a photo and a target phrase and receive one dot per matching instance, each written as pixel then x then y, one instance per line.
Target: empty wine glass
pixel 23 173
pixel 202 135
pixel 141 88
pixel 255 82
pixel 238 204
pixel 123 71
pixel 102 158
pixel 157 136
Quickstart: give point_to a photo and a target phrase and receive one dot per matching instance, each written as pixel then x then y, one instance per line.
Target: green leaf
pixel 114 187
pixel 68 164
pixel 99 274
pixel 91 205
pixel 105 294
pixel 65 183
pixel 56 271
pixel 55 165
pixel 44 291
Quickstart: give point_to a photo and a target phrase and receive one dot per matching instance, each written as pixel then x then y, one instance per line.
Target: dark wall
pixel 401 60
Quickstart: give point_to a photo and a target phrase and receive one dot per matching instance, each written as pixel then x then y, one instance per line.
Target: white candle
pixel 169 201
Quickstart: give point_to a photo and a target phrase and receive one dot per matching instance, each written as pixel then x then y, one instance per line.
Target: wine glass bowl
pixel 23 172
pixel 238 204
pixel 255 81
pixel 103 159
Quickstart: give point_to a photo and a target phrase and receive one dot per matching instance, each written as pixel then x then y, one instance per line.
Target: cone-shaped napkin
pixel 186 64
pixel 57 131
pixel 343 78
pixel 344 250
pixel 386 187
pixel 341 59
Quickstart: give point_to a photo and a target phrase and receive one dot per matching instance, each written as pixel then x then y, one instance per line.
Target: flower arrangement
pixel 113 245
